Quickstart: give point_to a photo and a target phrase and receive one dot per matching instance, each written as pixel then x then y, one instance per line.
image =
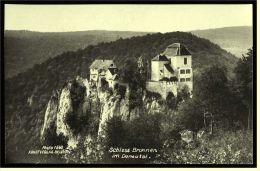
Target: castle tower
pixel 181 61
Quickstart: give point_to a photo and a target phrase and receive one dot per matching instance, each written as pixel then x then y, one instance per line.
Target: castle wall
pixel 155 71
pixel 178 61
pixel 162 87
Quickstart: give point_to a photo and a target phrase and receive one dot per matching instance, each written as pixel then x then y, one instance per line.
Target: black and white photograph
pixel 128 84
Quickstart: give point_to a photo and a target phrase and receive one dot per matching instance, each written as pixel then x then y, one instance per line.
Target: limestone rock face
pixel 61 106
pixel 50 114
pixel 77 100
pixel 71 102
pixel 65 107
pixel 112 105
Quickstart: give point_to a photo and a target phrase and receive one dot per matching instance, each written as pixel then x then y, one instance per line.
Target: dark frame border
pixel 70 2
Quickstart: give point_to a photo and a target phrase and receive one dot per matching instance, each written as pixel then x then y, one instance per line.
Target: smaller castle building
pixel 105 70
pixel 171 71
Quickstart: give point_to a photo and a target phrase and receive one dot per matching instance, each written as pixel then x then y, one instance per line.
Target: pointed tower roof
pixel 176 49
pixel 160 58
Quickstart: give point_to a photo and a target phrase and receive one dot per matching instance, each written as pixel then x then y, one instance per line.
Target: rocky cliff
pixel 79 113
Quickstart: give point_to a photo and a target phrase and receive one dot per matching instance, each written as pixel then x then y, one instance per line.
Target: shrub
pixel 223 148
pixel 174 79
pixel 52 139
pixel 142 132
pixel 183 94
pixel 190 115
pixel 121 90
pixel 77 93
pixel 77 122
pixel 171 101
pixel 155 95
pixel 164 79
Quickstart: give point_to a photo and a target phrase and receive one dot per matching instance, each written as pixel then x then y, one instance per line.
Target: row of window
pixel 182 71
pixel 183 79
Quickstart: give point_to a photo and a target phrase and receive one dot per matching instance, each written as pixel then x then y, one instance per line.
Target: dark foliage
pixel 191 115
pixel 151 95
pixel 23 49
pixel 77 94
pixel 244 83
pixel 211 88
pixel 121 90
pixel 104 83
pixel 171 101
pixel 183 94
pixel 142 132
pixel 77 123
pixel 244 77
pixel 174 79
pixel 136 81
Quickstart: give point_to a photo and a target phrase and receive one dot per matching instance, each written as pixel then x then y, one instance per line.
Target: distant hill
pixel 233 39
pixel 23 49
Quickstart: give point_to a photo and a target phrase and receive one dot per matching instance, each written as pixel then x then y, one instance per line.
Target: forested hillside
pixel 23 49
pixel 24 120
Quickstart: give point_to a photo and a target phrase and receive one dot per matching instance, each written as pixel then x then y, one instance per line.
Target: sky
pixel 151 18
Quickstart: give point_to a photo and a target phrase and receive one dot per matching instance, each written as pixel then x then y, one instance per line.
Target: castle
pixel 171 71
pixel 103 70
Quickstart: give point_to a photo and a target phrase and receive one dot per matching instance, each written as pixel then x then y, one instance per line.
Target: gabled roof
pixel 102 64
pixel 169 68
pixel 160 58
pixel 176 49
pixel 112 70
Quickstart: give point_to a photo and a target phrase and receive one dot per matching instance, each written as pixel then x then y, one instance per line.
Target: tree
pixel 211 89
pixel 183 94
pixel 190 115
pixel 244 81
pixel 171 101
pixel 136 82
pixel 128 71
pixel 141 132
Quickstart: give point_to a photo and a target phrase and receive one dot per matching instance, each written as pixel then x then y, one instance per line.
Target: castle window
pixel 185 61
pixel 187 71
pixel 187 79
pixel 182 80
pixel 182 71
